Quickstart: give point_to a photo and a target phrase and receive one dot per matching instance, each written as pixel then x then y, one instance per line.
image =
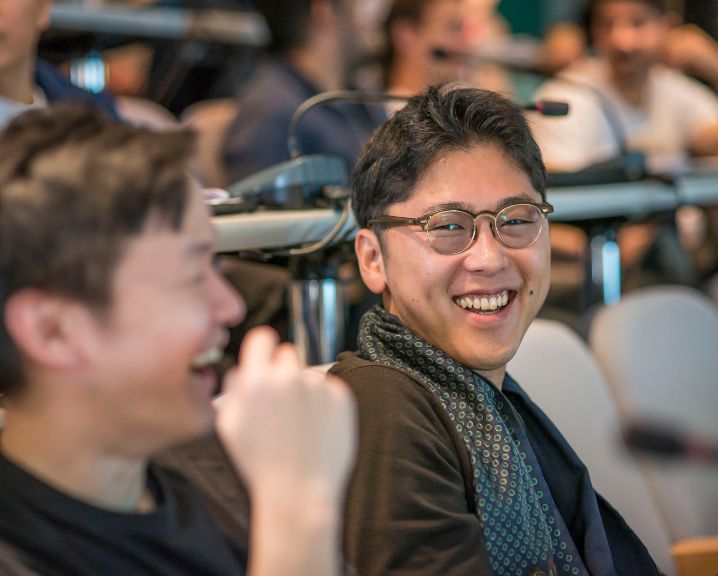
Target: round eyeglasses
pixel 453 231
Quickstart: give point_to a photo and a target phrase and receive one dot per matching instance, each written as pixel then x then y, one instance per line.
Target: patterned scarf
pixel 518 523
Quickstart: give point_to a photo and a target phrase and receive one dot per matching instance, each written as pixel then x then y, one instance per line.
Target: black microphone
pixel 668 443
pixel 548 108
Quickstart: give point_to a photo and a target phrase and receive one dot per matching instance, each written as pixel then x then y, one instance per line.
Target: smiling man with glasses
pixel 458 471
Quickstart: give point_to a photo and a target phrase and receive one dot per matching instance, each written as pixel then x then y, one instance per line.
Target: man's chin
pixel 486 363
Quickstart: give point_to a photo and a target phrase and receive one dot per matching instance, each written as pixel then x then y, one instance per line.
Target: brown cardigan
pixel 410 506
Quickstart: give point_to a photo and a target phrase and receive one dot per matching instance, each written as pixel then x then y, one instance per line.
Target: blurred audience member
pixel 691 49
pixel 415 30
pixel 312 44
pixel 112 316
pixel 563 44
pixel 659 110
pixel 183 72
pixel 687 46
pixel 627 94
pixel 486 32
pixel 25 80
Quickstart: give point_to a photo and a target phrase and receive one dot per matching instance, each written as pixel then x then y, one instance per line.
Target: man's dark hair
pixel 445 118
pixel 288 22
pixel 74 187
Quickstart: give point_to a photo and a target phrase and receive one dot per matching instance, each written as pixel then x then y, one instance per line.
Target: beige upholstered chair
pixel 659 350
pixel 558 371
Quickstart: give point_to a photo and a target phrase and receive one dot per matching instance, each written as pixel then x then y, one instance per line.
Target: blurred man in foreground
pixel 112 317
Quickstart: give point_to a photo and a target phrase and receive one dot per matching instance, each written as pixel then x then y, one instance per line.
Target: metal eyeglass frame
pixel 544 209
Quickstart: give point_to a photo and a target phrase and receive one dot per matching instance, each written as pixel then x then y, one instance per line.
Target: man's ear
pixel 49 330
pixel 371 260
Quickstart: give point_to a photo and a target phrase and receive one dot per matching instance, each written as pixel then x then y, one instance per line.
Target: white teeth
pixel 207 358
pixel 487 303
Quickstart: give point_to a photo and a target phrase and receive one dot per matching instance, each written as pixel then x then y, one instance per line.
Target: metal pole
pixel 317 318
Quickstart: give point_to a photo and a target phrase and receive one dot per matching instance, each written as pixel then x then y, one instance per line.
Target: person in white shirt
pixel 625 96
pixel 658 110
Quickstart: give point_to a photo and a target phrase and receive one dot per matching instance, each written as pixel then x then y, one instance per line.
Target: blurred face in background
pixel 441 26
pixel 21 23
pixel 480 21
pixel 630 34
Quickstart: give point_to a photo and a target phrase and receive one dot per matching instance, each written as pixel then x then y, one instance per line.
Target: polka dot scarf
pixel 517 525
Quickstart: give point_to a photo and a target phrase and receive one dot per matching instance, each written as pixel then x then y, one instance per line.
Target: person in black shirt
pixel 112 318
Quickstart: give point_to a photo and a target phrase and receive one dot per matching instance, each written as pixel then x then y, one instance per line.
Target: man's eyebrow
pixel 450 206
pixel 517 199
pixel 458 205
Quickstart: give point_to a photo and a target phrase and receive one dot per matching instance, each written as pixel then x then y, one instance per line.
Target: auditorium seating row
pixel 650 359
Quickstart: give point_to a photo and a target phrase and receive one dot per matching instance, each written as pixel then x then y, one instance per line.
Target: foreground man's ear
pixel 46 328
pixel 370 259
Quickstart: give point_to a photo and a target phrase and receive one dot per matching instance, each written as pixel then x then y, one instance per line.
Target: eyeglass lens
pixel 452 231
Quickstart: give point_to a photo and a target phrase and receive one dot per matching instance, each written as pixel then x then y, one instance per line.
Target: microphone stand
pixel 316 297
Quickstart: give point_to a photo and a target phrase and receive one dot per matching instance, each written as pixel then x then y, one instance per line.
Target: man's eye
pixel 514 222
pixel 450 227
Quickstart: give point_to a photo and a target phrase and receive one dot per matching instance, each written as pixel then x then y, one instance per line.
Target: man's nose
pixel 624 37
pixel 486 253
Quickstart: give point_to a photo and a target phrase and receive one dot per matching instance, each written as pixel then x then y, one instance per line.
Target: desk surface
pixel 631 200
pixel 225 26
pixel 699 187
pixel 279 229
pixel 275 229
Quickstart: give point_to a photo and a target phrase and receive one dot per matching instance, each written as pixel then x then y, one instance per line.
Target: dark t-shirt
pixel 55 534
